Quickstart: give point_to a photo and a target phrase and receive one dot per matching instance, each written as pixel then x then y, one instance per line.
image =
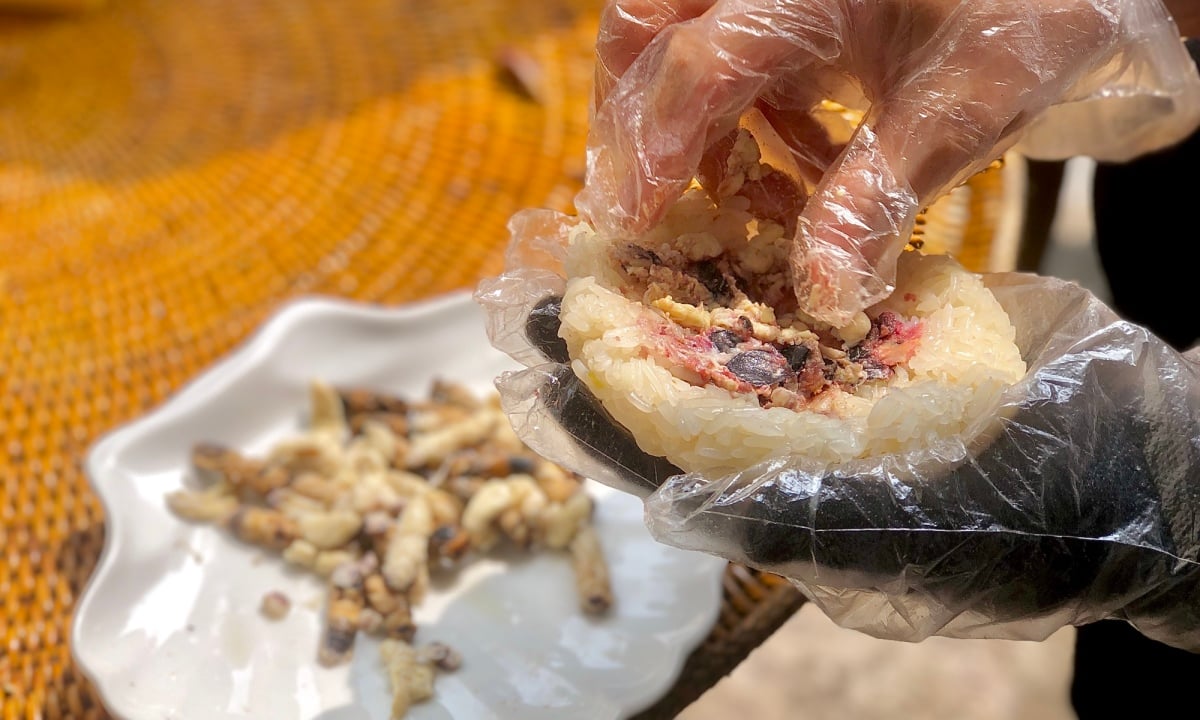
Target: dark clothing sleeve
pixel 1148 237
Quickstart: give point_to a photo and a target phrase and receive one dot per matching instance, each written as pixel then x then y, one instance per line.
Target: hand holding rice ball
pixel 921 449
pixel 946 86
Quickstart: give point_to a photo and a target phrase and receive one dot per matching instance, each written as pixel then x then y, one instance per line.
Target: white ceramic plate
pixel 169 629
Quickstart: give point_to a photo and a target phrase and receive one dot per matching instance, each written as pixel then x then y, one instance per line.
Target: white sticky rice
pixel 966 357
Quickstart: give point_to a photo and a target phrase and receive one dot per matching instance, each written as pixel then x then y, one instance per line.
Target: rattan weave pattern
pixel 171 171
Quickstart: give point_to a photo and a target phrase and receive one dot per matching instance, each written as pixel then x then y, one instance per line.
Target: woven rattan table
pixel 172 171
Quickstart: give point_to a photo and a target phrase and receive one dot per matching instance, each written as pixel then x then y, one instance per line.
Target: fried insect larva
pixel 482 510
pixel 264 527
pixel 394 609
pixel 293 504
pixel 406 484
pixel 405 567
pixel 363 457
pixel 417 517
pixel 430 448
pixel 214 504
pixel 512 523
pixel 316 487
pixel 224 465
pixel 405 562
pixel 445 507
pixel 591 572
pixel 411 679
pixel 561 522
pixel 301 553
pixel 329 530
pixel 275 605
pixel 310 452
pixel 327 561
pixel 511 506
pixel 374 493
pixel 328 414
pixel 383 439
pixel 556 483
pixel 341 621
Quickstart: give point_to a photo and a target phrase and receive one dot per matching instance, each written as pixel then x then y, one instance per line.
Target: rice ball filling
pixel 691 337
pixel 729 323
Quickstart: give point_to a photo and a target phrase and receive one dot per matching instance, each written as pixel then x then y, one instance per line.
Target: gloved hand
pixel 1082 505
pixel 947 86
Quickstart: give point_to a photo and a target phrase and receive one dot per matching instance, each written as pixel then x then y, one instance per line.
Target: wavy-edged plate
pixel 168 627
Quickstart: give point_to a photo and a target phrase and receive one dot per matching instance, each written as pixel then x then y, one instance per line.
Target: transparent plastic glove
pixel 946 85
pixel 1082 502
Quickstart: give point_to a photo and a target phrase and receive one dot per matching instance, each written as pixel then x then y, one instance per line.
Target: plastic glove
pixel 947 86
pixel 1082 504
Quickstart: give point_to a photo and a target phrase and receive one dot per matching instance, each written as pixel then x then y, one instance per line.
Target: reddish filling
pixel 891 342
pixel 780 374
pixel 735 360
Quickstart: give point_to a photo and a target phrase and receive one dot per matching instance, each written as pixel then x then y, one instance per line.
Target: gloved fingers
pixel 730 166
pixel 856 223
pixel 965 535
pixel 1076 502
pixel 851 232
pixel 878 531
pixel 808 141
pixel 919 139
pixel 988 79
pixel 512 301
pixel 686 90
pixel 626 28
pixel 557 416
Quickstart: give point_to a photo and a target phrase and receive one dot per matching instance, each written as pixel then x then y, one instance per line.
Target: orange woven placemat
pixel 171 172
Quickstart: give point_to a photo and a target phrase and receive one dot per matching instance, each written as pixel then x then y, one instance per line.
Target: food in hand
pixel 690 337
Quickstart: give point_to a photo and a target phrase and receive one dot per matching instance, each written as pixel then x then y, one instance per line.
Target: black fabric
pixel 1148 238
pixel 571 404
pixel 1147 219
pixel 1147 215
pixel 1045 178
pixel 1118 670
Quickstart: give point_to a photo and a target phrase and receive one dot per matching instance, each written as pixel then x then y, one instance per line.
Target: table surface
pixel 171 173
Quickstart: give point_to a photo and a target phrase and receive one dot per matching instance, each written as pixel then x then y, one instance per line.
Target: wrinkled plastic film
pixel 1076 500
pixel 541 402
pixel 844 257
pixel 1145 98
pixel 946 88
pixel 1080 507
pixel 534 272
pixel 521 307
pixel 509 301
